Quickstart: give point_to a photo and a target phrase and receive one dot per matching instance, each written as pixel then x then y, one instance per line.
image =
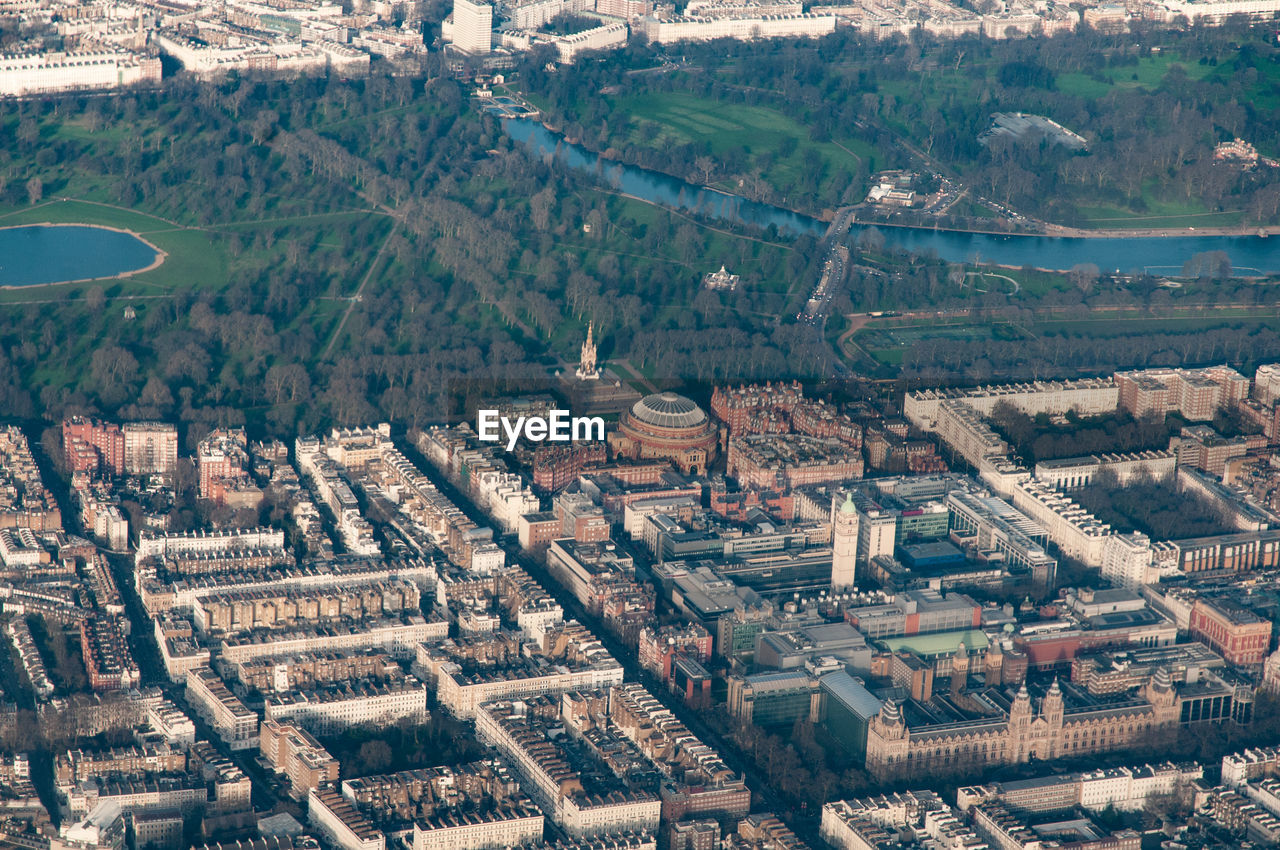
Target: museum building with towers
pixel 906 739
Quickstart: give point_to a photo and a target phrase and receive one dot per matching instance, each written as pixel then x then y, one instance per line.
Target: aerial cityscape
pixel 639 424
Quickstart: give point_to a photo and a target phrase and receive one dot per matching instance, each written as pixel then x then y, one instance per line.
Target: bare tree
pixel 706 167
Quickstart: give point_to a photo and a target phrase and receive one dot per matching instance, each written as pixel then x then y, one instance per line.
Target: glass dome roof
pixel 668 410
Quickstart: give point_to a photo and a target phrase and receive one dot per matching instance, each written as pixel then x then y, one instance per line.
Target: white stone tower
pixel 588 370
pixel 844 543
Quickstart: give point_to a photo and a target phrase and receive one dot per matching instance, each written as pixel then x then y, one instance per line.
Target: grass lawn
pixel 81 212
pixel 1147 73
pixel 1264 94
pixel 934 89
pixel 888 343
pixel 776 142
pixel 1035 282
pixel 195 258
pixel 1109 325
pixel 1159 214
pixel 887 356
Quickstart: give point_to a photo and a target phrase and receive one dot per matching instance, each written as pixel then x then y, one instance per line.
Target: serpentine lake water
pixel 1153 254
pixel 32 255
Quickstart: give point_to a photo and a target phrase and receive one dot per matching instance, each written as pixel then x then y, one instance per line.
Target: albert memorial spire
pixel 587 369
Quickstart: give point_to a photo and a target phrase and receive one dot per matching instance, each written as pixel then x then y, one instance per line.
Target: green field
pixel 204 259
pixel 195 257
pixel 897 337
pixel 1158 214
pixel 778 145
pixel 1148 73
pixel 1109 325
pixel 888 343
pixel 1264 92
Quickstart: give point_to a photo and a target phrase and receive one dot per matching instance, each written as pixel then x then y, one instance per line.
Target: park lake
pixel 32 255
pixel 1250 255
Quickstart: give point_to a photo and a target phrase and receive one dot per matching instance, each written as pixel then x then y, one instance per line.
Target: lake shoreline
pixel 1051 230
pixel 1157 252
pixel 1061 231
pixel 160 255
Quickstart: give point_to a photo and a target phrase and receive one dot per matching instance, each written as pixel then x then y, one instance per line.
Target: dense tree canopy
pixel 1152 106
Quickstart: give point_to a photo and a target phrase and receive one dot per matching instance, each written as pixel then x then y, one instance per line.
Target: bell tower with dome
pixel 844 543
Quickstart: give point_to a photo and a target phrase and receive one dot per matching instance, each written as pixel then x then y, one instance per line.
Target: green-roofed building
pixel 933 646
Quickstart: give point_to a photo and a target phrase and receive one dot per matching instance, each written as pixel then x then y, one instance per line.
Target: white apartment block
pixel 504 496
pixel 395 637
pixel 1004 26
pixel 491 831
pixel 150 448
pixel 1128 560
pixel 531 14
pixel 1266 383
pixel 19 547
pixel 135 797
pixel 111 527
pixel 965 430
pixel 1075 472
pixel 1249 765
pixel 390 42
pixel 323 712
pixel 578 815
pixel 105 519
pixel 1087 396
pixel 1127 788
pixel 472 28
pixel 47 73
pixel 626 9
pixel 875 22
pixel 358 447
pixel 180 654
pixel 1077 532
pixel 1217 12
pixel 534 618
pixel 209 61
pixel 604 37
pixel 160 545
pixel 234 723
pixel 667 30
pixel 338 821
pixel 861 824
pixel 167 719
pixel 877 530
pixel 463 695
pixel 487 559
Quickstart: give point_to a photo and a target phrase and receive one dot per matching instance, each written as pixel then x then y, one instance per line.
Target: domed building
pixel 667 426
